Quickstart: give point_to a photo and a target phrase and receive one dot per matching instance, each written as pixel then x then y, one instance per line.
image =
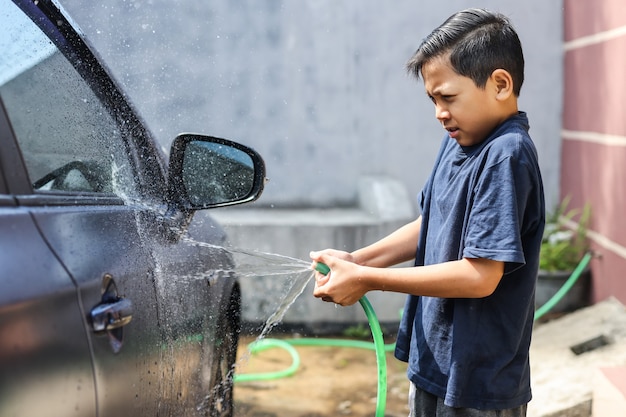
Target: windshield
pixel 68 137
pixel 23 49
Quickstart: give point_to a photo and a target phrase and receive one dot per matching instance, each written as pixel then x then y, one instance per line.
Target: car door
pixel 78 168
pixel 92 188
pixel 45 360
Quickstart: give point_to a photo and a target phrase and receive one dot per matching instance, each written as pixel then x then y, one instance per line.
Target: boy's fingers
pixel 317 255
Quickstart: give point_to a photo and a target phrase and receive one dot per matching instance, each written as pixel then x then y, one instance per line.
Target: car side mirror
pixel 206 172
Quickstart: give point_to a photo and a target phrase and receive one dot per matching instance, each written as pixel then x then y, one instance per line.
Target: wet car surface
pixel 116 296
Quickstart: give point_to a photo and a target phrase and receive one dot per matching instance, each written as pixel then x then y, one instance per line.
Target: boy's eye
pixel 444 97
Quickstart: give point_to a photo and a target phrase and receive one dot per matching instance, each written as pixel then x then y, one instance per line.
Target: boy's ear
pixel 503 83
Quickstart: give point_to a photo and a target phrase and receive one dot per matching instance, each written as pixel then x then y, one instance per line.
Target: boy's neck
pixel 509 109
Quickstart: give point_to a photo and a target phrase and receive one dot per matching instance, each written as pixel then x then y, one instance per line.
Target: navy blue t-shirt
pixel 484 201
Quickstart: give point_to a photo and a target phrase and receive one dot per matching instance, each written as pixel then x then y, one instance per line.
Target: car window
pixel 69 140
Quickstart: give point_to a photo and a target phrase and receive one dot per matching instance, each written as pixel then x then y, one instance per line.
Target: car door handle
pixel 108 316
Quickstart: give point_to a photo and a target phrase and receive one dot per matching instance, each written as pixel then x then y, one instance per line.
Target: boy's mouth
pixel 452 131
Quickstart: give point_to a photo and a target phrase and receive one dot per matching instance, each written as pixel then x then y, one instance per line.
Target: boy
pixel 467 322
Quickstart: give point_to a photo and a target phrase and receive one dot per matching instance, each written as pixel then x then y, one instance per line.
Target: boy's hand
pixel 325 258
pixel 341 265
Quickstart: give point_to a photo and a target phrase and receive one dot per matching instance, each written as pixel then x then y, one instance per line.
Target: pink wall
pixel 584 18
pixel 593 155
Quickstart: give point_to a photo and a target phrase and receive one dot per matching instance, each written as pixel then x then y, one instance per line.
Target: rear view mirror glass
pixel 211 172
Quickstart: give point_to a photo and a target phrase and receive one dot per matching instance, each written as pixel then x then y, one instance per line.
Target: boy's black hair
pixel 479 42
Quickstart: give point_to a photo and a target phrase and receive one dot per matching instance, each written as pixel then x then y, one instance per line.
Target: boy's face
pixel 467 112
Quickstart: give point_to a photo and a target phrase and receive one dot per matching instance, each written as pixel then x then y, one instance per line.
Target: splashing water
pixel 256 263
pixel 297 287
pixel 259 264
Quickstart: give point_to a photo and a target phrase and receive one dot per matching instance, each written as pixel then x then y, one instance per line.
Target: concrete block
pixel 566 352
pixel 383 207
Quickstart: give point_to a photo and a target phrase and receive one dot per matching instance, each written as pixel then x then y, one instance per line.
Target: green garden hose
pixel 381 358
pixel 378 345
pixel 264 344
pixel 549 305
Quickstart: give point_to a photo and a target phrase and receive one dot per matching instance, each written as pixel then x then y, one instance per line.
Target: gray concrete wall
pixel 319 88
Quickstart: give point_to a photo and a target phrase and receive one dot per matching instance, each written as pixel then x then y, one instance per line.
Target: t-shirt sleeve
pixel 495 221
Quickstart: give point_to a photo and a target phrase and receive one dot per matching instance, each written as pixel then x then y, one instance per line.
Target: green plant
pixel 357 332
pixel 565 238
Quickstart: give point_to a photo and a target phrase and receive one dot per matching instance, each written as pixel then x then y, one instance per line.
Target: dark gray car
pixel 114 299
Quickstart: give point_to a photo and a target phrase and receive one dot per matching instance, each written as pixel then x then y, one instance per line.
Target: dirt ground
pixel 330 381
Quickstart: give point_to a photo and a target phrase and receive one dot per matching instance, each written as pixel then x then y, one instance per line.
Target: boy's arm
pixel 465 278
pixel 398 247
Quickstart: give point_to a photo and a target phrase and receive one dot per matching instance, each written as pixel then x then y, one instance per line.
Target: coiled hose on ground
pixel 378 344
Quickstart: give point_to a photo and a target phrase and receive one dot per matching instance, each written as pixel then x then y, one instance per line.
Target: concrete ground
pixel 565 383
pixel 578 370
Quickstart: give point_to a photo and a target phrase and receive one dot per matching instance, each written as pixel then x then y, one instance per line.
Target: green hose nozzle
pixel 322 268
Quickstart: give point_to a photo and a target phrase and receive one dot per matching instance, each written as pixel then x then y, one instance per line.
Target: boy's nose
pixel 441 113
